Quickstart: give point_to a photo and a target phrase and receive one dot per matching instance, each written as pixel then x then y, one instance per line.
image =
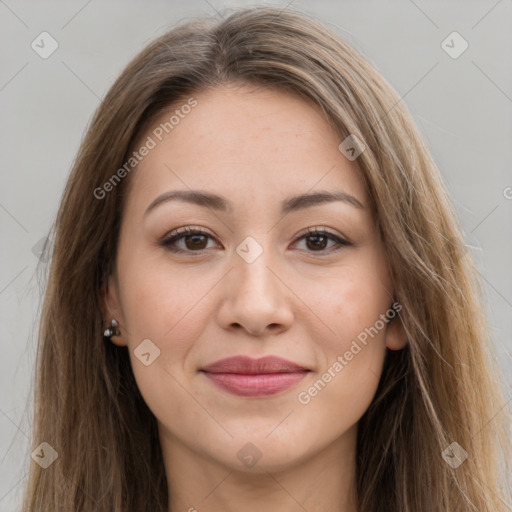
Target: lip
pixel 244 376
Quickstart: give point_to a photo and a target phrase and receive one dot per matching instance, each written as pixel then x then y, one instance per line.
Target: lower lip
pixel 255 385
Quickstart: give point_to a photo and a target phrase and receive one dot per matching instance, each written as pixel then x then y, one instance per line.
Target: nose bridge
pixel 255 297
pixel 252 261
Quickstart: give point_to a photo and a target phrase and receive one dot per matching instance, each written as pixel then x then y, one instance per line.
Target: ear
pixel 396 337
pixel 111 308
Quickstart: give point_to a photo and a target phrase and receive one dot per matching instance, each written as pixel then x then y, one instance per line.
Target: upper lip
pixel 248 365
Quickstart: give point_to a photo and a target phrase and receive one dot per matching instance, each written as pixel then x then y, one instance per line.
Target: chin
pixel 258 451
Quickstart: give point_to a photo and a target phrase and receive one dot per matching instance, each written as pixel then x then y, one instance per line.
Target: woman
pixel 259 295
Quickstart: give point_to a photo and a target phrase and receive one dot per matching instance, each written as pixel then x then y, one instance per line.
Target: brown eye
pixel 194 240
pixel 318 240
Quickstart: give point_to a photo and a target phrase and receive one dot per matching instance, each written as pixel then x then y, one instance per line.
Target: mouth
pixel 244 376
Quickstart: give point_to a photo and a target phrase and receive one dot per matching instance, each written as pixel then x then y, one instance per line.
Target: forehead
pixel 244 141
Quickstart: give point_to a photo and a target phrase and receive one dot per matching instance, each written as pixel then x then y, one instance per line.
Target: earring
pixel 112 330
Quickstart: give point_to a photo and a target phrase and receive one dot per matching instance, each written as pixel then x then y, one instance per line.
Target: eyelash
pixel 182 233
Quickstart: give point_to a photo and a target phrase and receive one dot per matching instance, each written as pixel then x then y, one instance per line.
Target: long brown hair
pixel 440 389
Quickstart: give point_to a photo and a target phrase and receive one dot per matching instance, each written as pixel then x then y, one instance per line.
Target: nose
pixel 255 297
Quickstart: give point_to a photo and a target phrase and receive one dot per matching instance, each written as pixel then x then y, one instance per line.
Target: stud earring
pixel 112 330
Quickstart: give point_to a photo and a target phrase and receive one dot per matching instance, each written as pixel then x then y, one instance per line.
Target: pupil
pixel 315 239
pixel 196 239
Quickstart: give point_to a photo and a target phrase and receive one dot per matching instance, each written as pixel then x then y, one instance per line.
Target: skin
pixel 299 300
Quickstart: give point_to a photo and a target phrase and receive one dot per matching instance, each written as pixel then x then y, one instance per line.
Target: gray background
pixel 463 107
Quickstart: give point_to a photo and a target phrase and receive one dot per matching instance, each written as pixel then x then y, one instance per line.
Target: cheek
pixel 352 304
pixel 168 309
pixel 171 311
pixel 336 400
pixel 353 350
pixel 352 309
pixel 164 305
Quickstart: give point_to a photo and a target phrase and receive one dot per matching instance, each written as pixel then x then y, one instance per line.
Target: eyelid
pixel 182 232
pixel 185 231
pixel 320 230
pixel 340 240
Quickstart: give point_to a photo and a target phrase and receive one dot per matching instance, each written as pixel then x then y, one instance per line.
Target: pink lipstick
pixel 244 376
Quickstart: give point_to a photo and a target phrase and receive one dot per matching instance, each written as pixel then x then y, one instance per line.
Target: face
pixel 268 266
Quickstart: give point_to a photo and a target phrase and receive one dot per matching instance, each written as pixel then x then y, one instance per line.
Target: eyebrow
pixel 216 202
